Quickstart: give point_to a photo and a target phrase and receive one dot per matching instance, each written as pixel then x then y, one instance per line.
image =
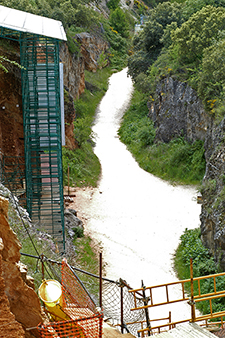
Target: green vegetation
pixel 176 161
pixel 184 40
pixel 83 163
pixel 79 16
pixel 4 60
pixel 87 258
pixel 203 265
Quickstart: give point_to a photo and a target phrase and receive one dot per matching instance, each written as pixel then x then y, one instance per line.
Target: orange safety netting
pixel 86 321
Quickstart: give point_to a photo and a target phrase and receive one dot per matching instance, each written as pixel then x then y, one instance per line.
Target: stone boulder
pixel 72 221
pixel 23 301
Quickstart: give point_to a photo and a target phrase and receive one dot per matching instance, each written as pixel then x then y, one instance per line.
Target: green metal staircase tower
pixel 39 54
pixel 42 133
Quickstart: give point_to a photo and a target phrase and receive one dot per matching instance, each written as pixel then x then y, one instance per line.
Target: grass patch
pixel 87 259
pixel 84 165
pixel 177 161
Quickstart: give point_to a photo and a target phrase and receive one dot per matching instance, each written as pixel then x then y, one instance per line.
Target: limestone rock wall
pixel 9 327
pixel 92 46
pixel 177 111
pixel 73 71
pixel 19 295
pixel 213 193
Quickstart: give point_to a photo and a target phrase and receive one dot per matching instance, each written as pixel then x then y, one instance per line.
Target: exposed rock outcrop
pixel 73 71
pixel 177 111
pixel 213 193
pixel 11 117
pixel 23 301
pixel 9 327
pixel 92 47
pixel 70 115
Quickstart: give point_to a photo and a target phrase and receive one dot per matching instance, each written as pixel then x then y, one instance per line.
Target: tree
pixel 149 43
pixel 119 22
pixel 113 4
pixel 68 11
pixel 212 78
pixel 198 32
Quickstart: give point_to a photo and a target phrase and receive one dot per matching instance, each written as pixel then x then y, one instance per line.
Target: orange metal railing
pixel 196 296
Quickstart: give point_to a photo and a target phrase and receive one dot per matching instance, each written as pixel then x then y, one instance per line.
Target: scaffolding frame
pixel 40 81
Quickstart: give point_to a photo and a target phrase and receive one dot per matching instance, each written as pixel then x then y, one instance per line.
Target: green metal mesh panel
pixel 12 175
pixel 42 133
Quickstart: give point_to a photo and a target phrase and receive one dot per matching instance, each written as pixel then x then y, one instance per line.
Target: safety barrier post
pixel 146 310
pixel 42 267
pixel 68 173
pixel 121 304
pixel 192 302
pixel 100 280
pixel 170 320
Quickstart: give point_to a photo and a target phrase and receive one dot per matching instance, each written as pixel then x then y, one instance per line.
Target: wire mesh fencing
pixel 117 304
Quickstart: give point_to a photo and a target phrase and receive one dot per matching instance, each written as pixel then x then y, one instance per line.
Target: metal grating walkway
pixel 187 330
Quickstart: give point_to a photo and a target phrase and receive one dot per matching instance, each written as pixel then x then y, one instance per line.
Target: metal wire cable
pixel 27 230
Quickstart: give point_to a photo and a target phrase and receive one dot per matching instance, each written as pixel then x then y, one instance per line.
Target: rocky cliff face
pixel 177 111
pixel 89 58
pixel 73 71
pixel 92 47
pixel 213 193
pixel 11 117
pixel 19 306
pixel 9 327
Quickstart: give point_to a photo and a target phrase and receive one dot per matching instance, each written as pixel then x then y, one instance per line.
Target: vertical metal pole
pixel 100 280
pixel 121 306
pixel 170 320
pixel 42 267
pixel 146 310
pixel 100 296
pixel 62 104
pixel 68 172
pixel 192 292
pixel 100 326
